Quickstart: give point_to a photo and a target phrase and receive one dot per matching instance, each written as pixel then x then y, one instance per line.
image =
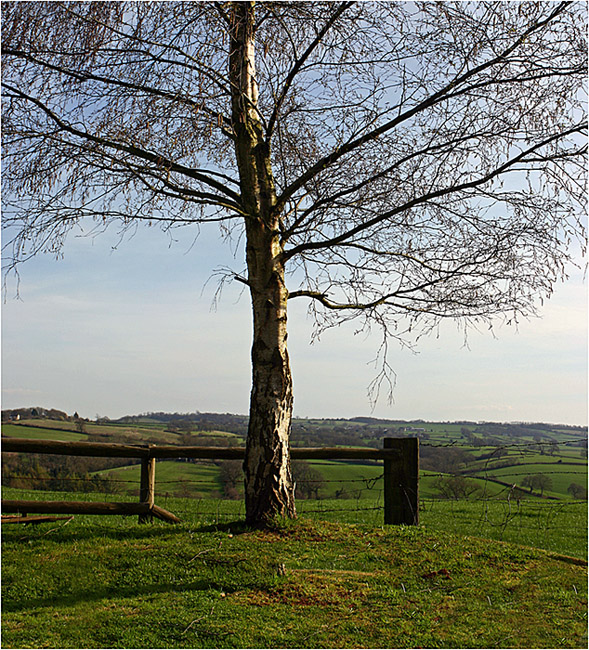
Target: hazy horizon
pixel 296 417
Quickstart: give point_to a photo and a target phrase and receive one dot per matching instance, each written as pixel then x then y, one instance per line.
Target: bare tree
pixel 456 487
pixel 231 475
pixel 537 482
pixel 398 163
pixel 577 491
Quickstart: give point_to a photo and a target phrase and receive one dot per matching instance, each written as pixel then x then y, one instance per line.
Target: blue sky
pixel 115 332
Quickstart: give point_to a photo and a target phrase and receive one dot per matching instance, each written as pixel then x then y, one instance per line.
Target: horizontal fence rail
pixel 400 456
pixel 116 450
pixel 88 508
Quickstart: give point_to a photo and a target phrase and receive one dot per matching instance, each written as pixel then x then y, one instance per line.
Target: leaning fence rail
pixel 400 457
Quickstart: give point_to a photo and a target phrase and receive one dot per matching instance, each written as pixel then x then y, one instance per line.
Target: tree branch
pixel 432 100
pixel 288 254
pixel 344 6
pixel 213 75
pixel 143 154
pixel 109 81
pixel 428 150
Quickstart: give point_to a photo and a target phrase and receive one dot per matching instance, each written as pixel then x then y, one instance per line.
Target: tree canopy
pixel 398 163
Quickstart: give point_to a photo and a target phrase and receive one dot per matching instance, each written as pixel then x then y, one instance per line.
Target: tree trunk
pixel 268 480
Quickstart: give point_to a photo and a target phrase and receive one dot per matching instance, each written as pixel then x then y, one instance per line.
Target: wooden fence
pixel 400 456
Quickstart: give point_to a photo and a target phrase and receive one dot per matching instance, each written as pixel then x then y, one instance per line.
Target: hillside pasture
pixel 171 478
pixel 107 432
pixel 347 480
pixel 35 433
pixel 486 488
pixel 213 434
pixel 46 423
pixel 341 480
pixel 526 453
pixel 560 475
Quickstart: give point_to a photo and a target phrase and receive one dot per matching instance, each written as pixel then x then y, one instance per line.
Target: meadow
pixel 111 583
pixel 499 569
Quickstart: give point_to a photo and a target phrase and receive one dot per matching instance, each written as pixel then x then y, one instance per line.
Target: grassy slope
pixel 58 430
pixel 171 477
pixel 205 477
pixel 17 431
pixel 356 479
pixel 112 583
pixel 561 476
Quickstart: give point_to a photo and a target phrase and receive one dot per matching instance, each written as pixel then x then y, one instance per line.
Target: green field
pixel 561 476
pixel 352 492
pixel 486 488
pixel 560 527
pixel 108 582
pixel 17 431
pixel 172 478
pixel 58 430
pixel 351 481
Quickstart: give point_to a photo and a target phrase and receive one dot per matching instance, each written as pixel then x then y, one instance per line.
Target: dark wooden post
pixel 401 482
pixel 147 489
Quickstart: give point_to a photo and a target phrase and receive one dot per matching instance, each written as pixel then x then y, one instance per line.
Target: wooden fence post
pixel 147 488
pixel 401 482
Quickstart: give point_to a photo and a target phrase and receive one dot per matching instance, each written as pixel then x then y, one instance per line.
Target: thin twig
pixel 200 618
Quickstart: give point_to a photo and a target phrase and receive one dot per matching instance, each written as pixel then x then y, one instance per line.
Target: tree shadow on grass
pixel 109 593
pixel 100 530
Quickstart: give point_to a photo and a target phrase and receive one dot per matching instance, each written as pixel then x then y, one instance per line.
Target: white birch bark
pixel 268 480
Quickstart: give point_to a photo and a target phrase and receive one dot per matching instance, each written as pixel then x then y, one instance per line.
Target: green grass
pixel 110 583
pixel 179 479
pixel 528 456
pixel 427 487
pixel 559 527
pixel 16 431
pixel 214 434
pixel 49 424
pixel 356 480
pixel 202 479
pixel 52 430
pixel 560 475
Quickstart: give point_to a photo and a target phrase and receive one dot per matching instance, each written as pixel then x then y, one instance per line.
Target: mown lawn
pixel 111 583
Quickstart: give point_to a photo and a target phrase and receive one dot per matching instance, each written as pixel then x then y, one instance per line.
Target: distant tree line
pixel 33 412
pixel 59 473
pixel 456 487
pixel 539 482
